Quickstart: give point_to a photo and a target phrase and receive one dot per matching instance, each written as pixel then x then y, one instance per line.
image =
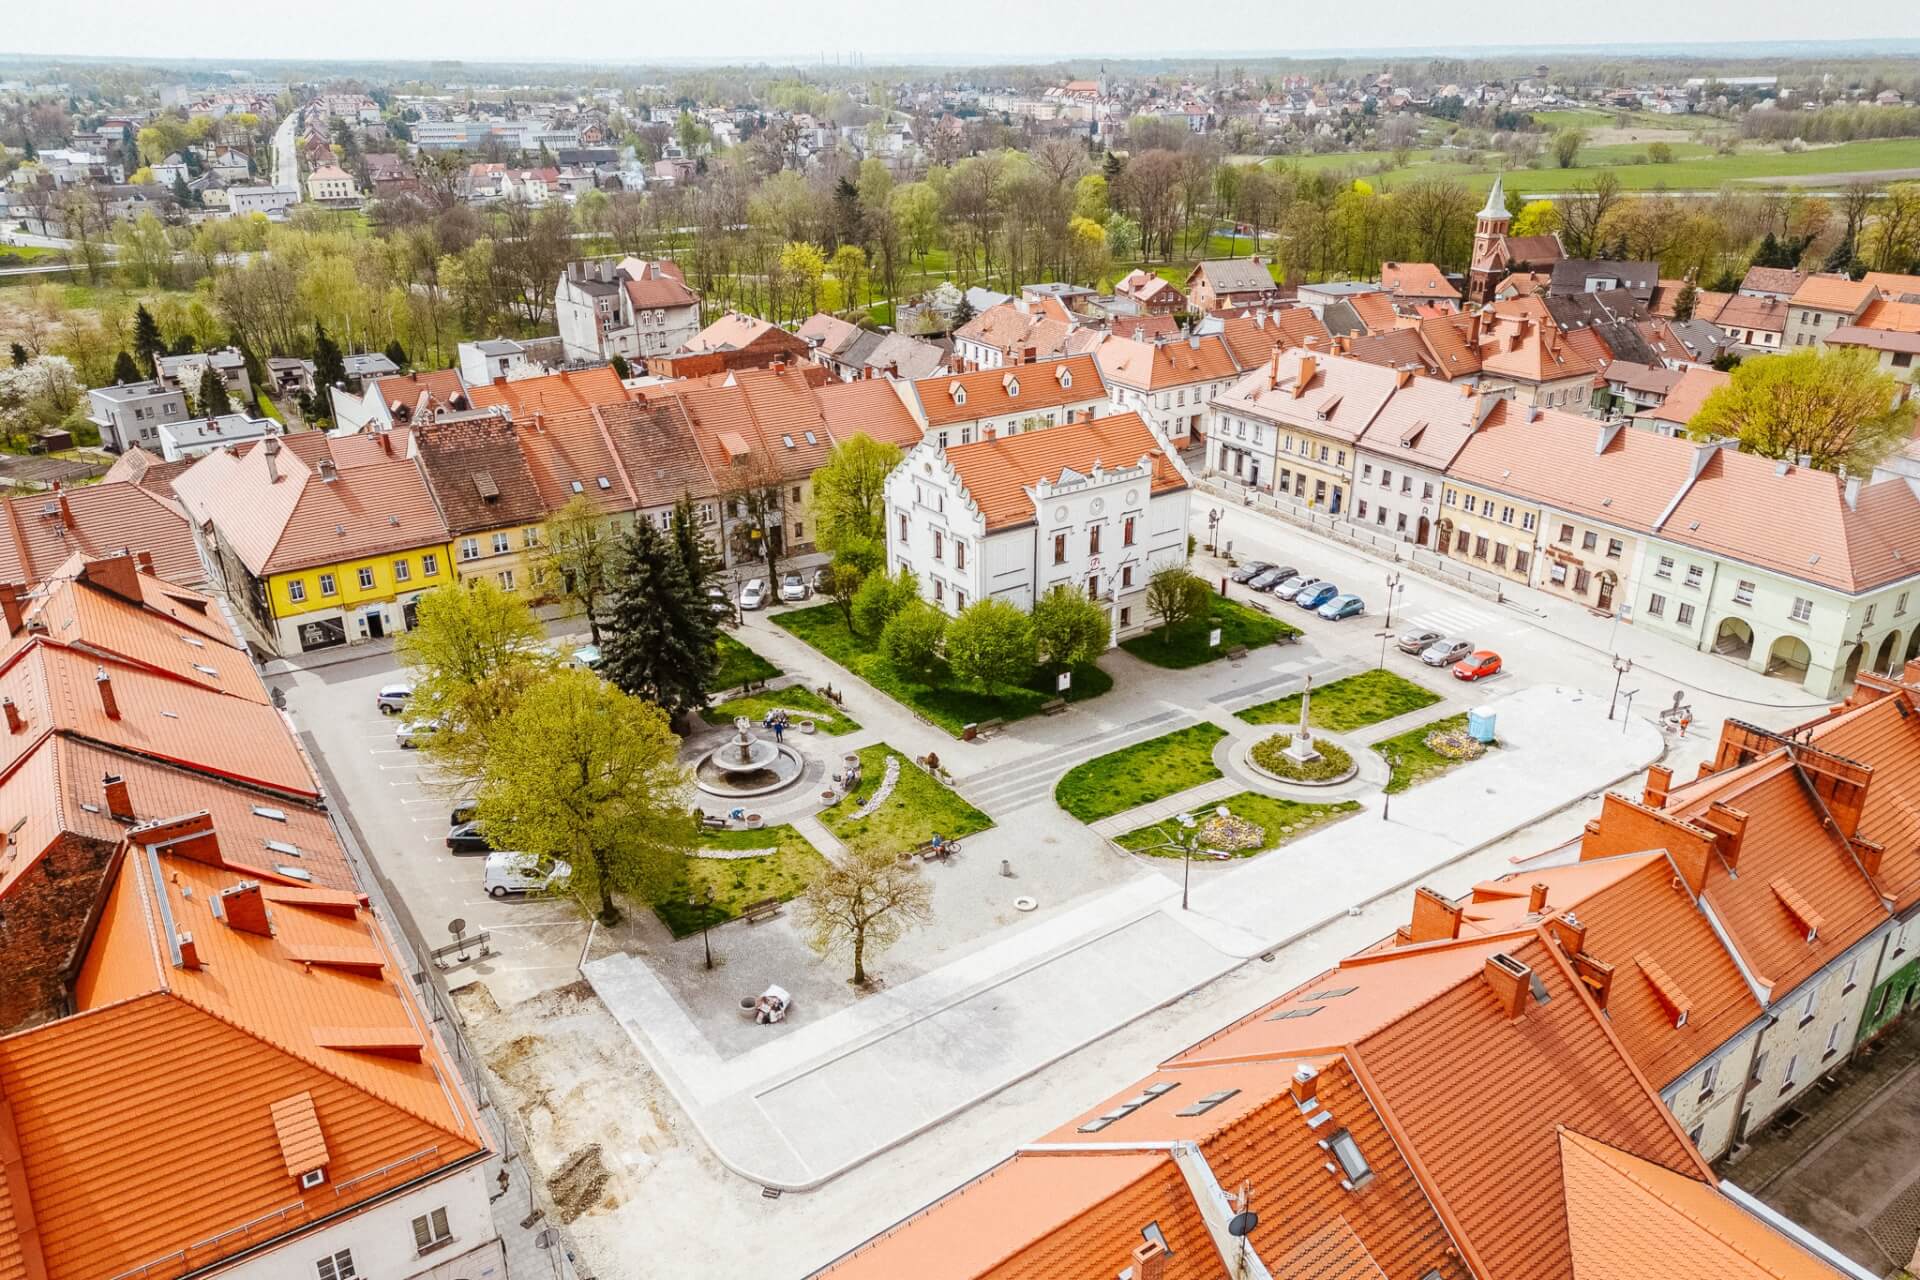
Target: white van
pixel 522 873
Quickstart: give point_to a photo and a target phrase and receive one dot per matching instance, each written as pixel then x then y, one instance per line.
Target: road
pixel 286 159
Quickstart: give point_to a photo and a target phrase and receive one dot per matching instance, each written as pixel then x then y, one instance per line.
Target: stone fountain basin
pixel 730 779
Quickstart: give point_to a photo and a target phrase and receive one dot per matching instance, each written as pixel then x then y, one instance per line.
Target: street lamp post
pixel 1620 668
pixel 1188 841
pixel 1393 589
pixel 1213 530
pixel 705 904
pixel 1386 796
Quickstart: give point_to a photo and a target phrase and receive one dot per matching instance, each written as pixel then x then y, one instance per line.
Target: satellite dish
pixel 1243 1223
pixel 456 926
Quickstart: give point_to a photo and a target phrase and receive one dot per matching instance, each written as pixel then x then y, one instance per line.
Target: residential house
pixel 1015 331
pixel 838 346
pixel 874 407
pixel 313 551
pixel 186 372
pixel 492 359
pixel 195 437
pixel 900 355
pixel 1673 411
pixel 331 184
pixel 1291 426
pixel 359 366
pixel 1822 304
pixel 269 200
pixel 1254 335
pixel 1757 323
pixel 1602 275
pixel 397 400
pixel 1778 283
pixel 1887 328
pixel 289 376
pixel 634 309
pixel 734 341
pixel 523 399
pixel 1233 284
pixel 129 415
pixel 1169 384
pixel 485 492
pixel 1413 284
pixel 963 408
pixel 1527 351
pixel 1094 506
pixel 40 531
pixel 1149 293
pixel 660 457
pixel 1403 456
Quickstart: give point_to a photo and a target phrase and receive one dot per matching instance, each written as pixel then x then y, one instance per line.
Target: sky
pixel 809 31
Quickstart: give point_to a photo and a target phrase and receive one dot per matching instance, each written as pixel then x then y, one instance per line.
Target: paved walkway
pixel 828 1094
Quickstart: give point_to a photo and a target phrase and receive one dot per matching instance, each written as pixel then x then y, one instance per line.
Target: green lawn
pixel 942 699
pixel 738 664
pixel 1418 761
pixel 918 808
pixel 1282 819
pixel 800 702
pixel 24 255
pixel 1238 624
pixel 1352 703
pixel 1140 774
pixel 265 405
pixel 738 881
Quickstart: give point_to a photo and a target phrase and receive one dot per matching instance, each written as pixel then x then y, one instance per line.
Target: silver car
pixel 754 594
pixel 1444 653
pixel 793 587
pixel 392 698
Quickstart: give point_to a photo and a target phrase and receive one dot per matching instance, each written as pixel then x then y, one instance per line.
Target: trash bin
pixel 1480 724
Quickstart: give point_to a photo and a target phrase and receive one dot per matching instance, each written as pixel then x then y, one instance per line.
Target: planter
pixel 806 726
pixel 753 822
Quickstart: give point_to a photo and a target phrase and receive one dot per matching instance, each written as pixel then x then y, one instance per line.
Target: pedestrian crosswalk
pixel 1459 620
pixel 1030 780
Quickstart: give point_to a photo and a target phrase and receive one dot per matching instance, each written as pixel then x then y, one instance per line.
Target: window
pixel 1093 541
pixel 1366 471
pixel 1557 573
pixel 959 599
pixel 366 579
pixel 1853 972
pixel 1460 545
pixel 1347 1152
pixel 1900 605
pixel 1793 1069
pixel 402 570
pixel 1871 610
pixel 469 548
pixel 939 591
pixel 500 544
pixel 1685 615
pixel 1759 1068
pixel 1589 540
pixel 1386 478
pixel 1126 575
pixel 1527 521
pixel 530 536
pixel 1743 592
pixel 939 545
pixel 1693 1134
pixel 1361 511
pixel 1581 579
pixel 1708 1079
pixel 1480 548
pixel 1615 548
pixel 430 1231
pixel 297 589
pixel 1093 586
pixel 1447 498
pixel 1506 515
pixel 1126 617
pixel 337 1266
pixel 1059 548
pixel 799 531
pixel 1666 568
pixel 1521 560
pixel 1657 605
pixel 1802 609
pixel 1126 532
pixel 327 585
pixel 506 580
pixel 1500 554
pixel 429 564
pixel 1806 1006
pixel 1468 504
pixel 959 554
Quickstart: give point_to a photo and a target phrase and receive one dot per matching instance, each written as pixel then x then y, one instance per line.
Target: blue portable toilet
pixel 1480 724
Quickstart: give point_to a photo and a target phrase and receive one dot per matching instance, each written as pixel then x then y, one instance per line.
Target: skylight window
pixel 1331 993
pixel 198 644
pixel 811 438
pixel 272 815
pixel 282 847
pixel 787 441
pixel 1128 1107
pixel 604 483
pixel 1347 1152
pixel 206 671
pixel 1295 1013
pixel 295 873
pixel 1207 1103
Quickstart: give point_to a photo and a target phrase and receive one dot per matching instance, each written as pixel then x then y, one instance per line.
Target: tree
pixel 329 366
pixel 212 401
pixel 1566 146
pixel 147 342
pixel 863 902
pixel 1660 153
pixel 20 355
pixel 911 639
pixel 1834 407
pixel 1536 218
pixel 473 651
pixel 879 598
pixel 585 772
pixel 1069 628
pixel 1683 304
pixel 124 369
pixel 1584 213
pixel 661 641
pixel 850 269
pixel 576 558
pixel 1175 594
pixel 802 266
pixel 848 502
pixel 621 369
pixel 397 354
pixel 37 394
pixel 991 642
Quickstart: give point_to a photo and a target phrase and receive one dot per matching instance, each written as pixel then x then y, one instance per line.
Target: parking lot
pixel 400 817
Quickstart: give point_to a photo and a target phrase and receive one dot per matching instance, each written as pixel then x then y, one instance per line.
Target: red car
pixel 1481 662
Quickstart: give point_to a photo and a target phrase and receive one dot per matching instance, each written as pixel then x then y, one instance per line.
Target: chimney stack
pixel 270 449
pixel 1434 917
pixel 1729 827
pixel 1308 366
pixel 1536 899
pixel 189 953
pixel 145 560
pixel 246 908
pixel 10 593
pixel 119 801
pixel 1509 979
pixel 1659 783
pixel 1305 1084
pixel 15 721
pixel 108 702
pixel 1150 1261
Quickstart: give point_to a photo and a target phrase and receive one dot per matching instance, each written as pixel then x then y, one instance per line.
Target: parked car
pixel 392 698
pixel 466 837
pixel 588 656
pixel 821 577
pixel 412 732
pixel 1477 665
pixel 522 873
pixel 1444 653
pixel 1342 607
pixel 1312 597
pixel 754 594
pixel 1416 642
pixel 1268 579
pixel 1251 570
pixel 462 813
pixel 793 587
pixel 1293 586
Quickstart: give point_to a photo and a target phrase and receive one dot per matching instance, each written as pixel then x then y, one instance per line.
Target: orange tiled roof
pixel 987 393
pixel 1893 286
pixel 552 393
pixel 39 531
pixel 1375 311
pixel 775 413
pixel 1833 293
pixel 655 444
pixel 1254 335
pixel 1892 317
pixel 1010 328
pixel 571 455
pixel 407 390
pixel 1416 280
pixel 998 473
pixel 1149 366
pixel 872 407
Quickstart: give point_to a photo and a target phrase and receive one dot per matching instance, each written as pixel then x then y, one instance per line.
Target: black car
pixel 1270 579
pixel 1251 570
pixel 466 837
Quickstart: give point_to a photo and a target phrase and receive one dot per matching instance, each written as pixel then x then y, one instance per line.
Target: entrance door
pixel 1422 538
pixel 376 624
pixel 1253 473
pixel 1605 602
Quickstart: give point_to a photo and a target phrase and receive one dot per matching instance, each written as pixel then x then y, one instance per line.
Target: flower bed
pixel 1456 744
pixel 1270 753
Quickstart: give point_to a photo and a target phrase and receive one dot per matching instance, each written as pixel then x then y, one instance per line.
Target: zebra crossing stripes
pixel 1029 780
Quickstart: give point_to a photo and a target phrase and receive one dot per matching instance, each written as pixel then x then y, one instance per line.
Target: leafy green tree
pixel 397 354
pixel 1660 153
pixel 841 582
pixel 1566 146
pixel 880 597
pixel 576 558
pixel 660 645
pixel 213 400
pixel 1175 594
pixel 911 639
pixel 124 369
pixel 991 642
pixel 621 369
pixel 1834 407
pixel 848 504
pixel 329 366
pixel 862 904
pixel 1684 304
pixel 1069 628
pixel 148 345
pixel 585 772
pixel 698 560
pixel 471 654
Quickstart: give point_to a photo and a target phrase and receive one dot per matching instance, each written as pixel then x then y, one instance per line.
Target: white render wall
pixel 382 1241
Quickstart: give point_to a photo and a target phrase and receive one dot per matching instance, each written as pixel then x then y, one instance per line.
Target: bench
pixel 710 823
pixel 1236 653
pixel 765 909
pixel 1261 605
pixel 1053 706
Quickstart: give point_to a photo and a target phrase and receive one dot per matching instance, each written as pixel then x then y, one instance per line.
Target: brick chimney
pixel 1596 976
pixel 246 908
pixel 189 951
pixel 1729 827
pixel 1659 783
pixel 15 721
pixel 117 574
pixel 1536 899
pixel 119 801
pixel 145 560
pixel 1569 932
pixel 270 450
pixel 1308 366
pixel 1150 1261
pixel 10 593
pixel 1305 1084
pixel 1508 979
pixel 1434 917
pixel 108 702
pixel 1626 826
pixel 1870 853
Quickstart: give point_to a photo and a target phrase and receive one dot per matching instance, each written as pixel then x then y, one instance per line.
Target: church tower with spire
pixel 1490 262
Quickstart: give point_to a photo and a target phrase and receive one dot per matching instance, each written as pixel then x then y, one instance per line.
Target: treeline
pixel 1831 124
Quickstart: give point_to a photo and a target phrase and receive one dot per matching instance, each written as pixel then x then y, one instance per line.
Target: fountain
pixel 747 765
